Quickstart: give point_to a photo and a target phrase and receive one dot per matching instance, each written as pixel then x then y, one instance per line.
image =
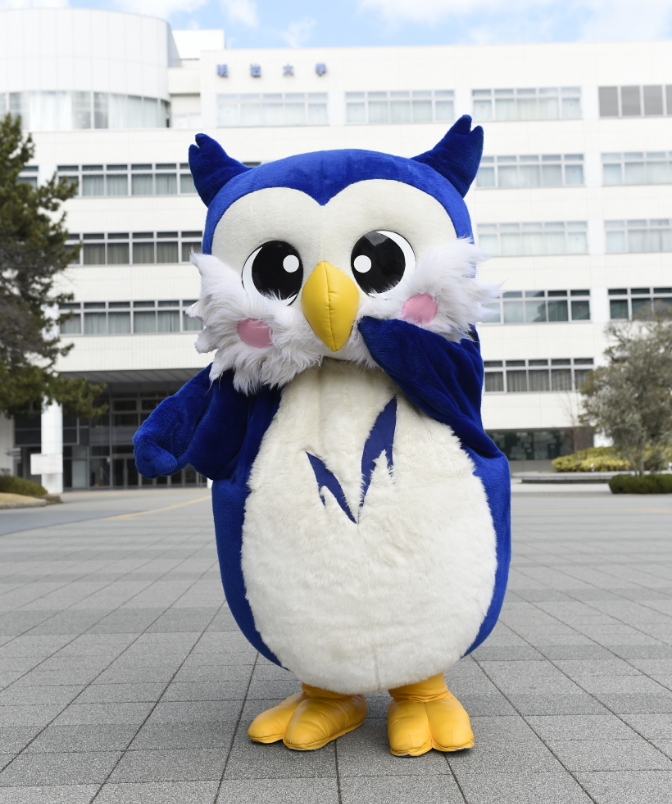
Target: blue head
pixel 323 239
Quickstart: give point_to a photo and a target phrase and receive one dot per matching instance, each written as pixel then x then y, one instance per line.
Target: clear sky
pixel 282 23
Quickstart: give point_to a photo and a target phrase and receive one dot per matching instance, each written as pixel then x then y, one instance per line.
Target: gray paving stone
pixel 70 794
pixel 121 693
pixel 519 787
pixel 250 760
pixel 627 787
pixel 158 793
pixel 609 755
pixel 366 752
pixel 59 739
pixel 202 734
pixel 170 766
pixel 581 727
pixel 91 713
pixel 280 791
pixel 59 769
pixel 395 789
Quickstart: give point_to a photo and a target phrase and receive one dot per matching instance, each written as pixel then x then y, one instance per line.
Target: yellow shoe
pixel 271 725
pixel 322 717
pixel 425 716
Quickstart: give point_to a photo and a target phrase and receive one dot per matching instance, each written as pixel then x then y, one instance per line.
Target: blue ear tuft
pixel 211 167
pixel 458 155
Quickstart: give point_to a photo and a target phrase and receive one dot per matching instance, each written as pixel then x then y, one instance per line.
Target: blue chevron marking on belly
pixel 380 440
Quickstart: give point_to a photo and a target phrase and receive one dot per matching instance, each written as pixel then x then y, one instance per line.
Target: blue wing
pixel 445 380
pixel 203 424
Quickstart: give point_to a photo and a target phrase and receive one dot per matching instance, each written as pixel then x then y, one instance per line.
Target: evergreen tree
pixel 32 255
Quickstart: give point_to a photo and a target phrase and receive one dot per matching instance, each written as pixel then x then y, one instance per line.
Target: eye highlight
pixel 274 270
pixel 380 260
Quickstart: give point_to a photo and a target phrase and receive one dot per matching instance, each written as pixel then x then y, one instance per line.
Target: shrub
pixel 18 485
pixel 641 484
pixel 598 459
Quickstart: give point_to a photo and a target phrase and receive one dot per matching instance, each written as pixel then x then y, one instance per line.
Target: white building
pixel 574 196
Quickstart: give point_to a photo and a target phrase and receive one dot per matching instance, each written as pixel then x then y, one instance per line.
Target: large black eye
pixel 379 261
pixel 274 270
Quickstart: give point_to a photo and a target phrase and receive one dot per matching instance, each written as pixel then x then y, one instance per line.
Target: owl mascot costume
pixel 362 514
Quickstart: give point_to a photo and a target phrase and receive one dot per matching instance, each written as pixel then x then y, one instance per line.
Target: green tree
pixel 32 255
pixel 629 399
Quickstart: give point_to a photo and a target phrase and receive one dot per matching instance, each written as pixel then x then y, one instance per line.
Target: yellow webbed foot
pixel 271 725
pixel 424 716
pixel 310 719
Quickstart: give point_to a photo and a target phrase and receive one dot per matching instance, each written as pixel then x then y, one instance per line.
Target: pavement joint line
pixel 235 730
pixel 160 510
pixel 578 683
pixel 158 700
pixel 446 758
pixel 86 686
pixel 97 591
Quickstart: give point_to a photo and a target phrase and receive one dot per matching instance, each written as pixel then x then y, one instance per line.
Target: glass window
pixel 494 381
pixel 187 249
pixel 142 184
pixel 117 254
pixel 144 321
pixel 100 110
pixel 166 252
pixel 166 184
pixel 72 325
pixel 133 112
pixel 187 183
pixel 117 184
pixel 119 323
pixel 513 312
pixel 81 109
pixel 609 101
pixel 143 253
pixel 93 185
pixel 558 310
pixel 191 324
pixel 618 309
pixel 630 102
pixel 94 253
pixel 516 381
pixel 169 321
pixel 580 310
pixel 539 380
pixel 95 324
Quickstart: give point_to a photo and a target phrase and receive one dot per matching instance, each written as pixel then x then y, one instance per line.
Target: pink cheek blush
pixel 255 333
pixel 420 309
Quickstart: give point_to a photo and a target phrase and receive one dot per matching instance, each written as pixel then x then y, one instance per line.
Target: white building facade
pixel 573 198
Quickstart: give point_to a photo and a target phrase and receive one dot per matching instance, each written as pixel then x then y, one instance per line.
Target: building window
pixel 521 239
pixel 66 111
pixel 548 170
pixel 272 109
pixel 534 376
pixel 540 445
pixel 636 101
pixel 28 175
pixel 540 307
pixel 136 248
pixel 160 178
pixel 652 167
pixel 627 303
pixel 417 106
pixel 127 318
pixel 639 236
pixel 544 103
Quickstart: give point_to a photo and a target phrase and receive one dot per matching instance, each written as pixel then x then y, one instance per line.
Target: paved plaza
pixel 125 679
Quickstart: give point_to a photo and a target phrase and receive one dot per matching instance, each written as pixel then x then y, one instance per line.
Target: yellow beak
pixel 329 301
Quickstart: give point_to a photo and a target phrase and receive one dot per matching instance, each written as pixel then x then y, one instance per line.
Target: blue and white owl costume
pixel 362 514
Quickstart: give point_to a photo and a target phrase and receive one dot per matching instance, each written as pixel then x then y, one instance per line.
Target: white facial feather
pixel 446 273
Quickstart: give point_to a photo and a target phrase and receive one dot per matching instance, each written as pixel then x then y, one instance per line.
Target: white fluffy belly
pixel 396 596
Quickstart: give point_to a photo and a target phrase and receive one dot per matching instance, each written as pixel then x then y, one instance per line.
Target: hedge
pixel 641 484
pixel 595 459
pixel 17 485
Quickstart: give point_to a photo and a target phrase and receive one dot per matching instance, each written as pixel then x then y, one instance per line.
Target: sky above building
pixel 295 23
